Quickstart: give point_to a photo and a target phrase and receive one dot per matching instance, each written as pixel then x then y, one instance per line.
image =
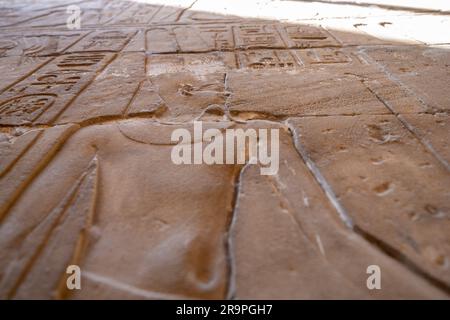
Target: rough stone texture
pixel 360 98
pixel 408 194
pixel 294 243
pixel 424 70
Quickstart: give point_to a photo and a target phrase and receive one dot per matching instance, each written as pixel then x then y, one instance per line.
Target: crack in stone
pixel 345 217
pixel 231 280
pixel 379 244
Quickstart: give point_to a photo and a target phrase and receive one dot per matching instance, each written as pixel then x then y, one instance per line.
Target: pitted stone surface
pixel 359 95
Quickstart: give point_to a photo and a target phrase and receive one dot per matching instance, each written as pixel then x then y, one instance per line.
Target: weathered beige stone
pixel 393 188
pixel 24 156
pixel 434 130
pixel 294 245
pixel 22 54
pixel 111 93
pixel 424 71
pixel 358 92
pixel 173 218
pixel 225 37
pixel 322 89
pixel 41 97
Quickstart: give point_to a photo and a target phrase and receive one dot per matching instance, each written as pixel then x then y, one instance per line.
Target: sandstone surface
pixel 360 98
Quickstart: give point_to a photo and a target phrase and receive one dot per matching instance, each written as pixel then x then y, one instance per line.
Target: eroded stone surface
pixel 434 130
pixel 367 159
pixel 295 243
pixel 424 70
pixel 21 54
pixel 358 93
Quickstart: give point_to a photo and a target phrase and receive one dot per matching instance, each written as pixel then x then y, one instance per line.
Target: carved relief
pixel 106 12
pixel 5 46
pixel 138 14
pixel 104 41
pixel 269 59
pixel 68 222
pixel 307 36
pixel 161 40
pixel 324 56
pixel 219 36
pixel 86 118
pixel 226 37
pixel 285 59
pixel 50 88
pixel 33 45
pixel 27 107
pixel 173 39
pixel 199 64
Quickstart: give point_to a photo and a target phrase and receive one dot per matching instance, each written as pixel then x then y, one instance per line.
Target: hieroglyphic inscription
pixel 199 64
pixel 106 12
pixel 190 39
pixel 111 40
pixel 221 36
pixel 31 45
pixel 257 36
pixel 269 59
pixel 27 107
pixel 287 59
pixel 228 37
pixel 48 91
